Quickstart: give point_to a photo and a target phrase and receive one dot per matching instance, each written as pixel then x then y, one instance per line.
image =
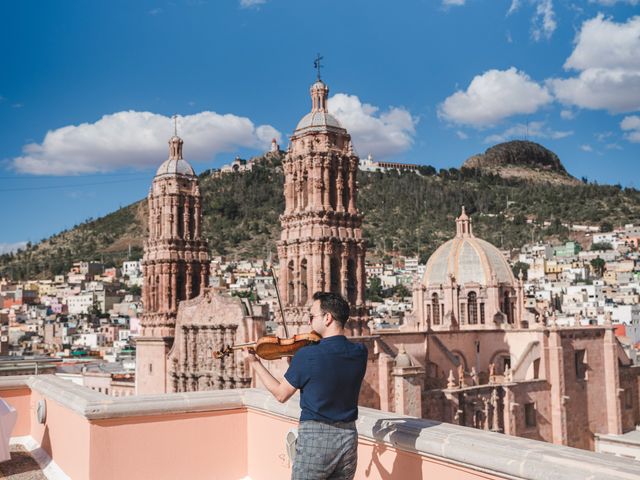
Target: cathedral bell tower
pixel 175 264
pixel 321 246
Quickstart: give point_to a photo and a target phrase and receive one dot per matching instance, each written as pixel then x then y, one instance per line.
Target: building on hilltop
pixel 370 165
pixel 321 246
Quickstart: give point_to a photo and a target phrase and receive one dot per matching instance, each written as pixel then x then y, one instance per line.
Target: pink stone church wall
pixel 630 381
pixel 586 408
pixel 536 392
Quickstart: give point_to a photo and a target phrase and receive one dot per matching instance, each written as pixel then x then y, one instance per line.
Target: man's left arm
pixel 282 391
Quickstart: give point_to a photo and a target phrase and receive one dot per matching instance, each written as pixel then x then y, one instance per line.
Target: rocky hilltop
pixel 522 159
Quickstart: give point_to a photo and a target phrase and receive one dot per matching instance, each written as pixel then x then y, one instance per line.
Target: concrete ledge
pixel 498 454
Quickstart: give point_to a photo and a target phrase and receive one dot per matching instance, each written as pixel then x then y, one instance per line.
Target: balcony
pixel 74 432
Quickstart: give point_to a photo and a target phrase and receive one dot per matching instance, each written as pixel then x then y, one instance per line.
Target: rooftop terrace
pixel 78 433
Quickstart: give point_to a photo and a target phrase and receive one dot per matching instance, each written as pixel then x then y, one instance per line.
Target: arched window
pixel 290 286
pixel 180 293
pixel 482 313
pixel 472 308
pixel 506 307
pixel 304 289
pixel 304 191
pixel 335 275
pixel 351 281
pixel 435 303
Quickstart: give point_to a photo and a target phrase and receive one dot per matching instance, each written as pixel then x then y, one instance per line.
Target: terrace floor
pixel 22 466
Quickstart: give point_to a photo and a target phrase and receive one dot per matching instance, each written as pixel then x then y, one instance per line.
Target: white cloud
pixel 11 247
pixel 609 3
pixel 494 96
pixel 515 5
pixel 631 125
pixel 449 3
pixel 138 139
pixel 567 114
pixel 461 135
pixel 544 21
pixel 251 3
pixel 525 131
pixel 606 55
pixel 586 148
pixel 382 134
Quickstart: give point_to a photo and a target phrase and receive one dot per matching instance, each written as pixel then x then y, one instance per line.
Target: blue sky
pixel 87 89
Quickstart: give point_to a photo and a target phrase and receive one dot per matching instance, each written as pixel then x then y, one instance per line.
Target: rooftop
pixel 74 432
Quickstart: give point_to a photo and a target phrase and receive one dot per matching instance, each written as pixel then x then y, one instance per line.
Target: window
pixel 581 366
pixel 472 307
pixel 628 398
pixel 536 369
pixel 530 414
pixel 150 368
pixel 506 363
pixel 436 309
pixel 482 313
pixel 304 291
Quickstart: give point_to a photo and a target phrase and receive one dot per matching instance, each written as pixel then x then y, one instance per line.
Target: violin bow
pixel 284 322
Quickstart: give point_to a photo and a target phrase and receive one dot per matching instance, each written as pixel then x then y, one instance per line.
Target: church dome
pixel 175 165
pixel 468 259
pixel 318 120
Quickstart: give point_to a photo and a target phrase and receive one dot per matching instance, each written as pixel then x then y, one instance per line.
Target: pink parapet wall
pixel 19 399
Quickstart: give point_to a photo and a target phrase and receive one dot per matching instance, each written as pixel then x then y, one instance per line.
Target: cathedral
pixel 470 353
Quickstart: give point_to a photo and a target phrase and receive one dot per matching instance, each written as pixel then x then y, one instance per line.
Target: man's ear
pixel 330 321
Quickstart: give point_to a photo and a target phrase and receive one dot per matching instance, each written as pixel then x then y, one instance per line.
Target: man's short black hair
pixel 334 304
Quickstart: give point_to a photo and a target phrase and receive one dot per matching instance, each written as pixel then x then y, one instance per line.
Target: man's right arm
pixel 282 391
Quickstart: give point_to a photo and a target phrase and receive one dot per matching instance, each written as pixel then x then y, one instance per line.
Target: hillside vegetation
pixel 404 214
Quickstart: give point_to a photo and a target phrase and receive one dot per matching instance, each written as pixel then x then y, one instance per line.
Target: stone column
pixel 326 182
pixel 385 382
pixel 612 380
pixel 328 250
pixel 352 186
pixel 339 188
pixel 198 218
pixel 317 183
pixel 556 380
pixel 344 271
pixel 174 287
pixel 408 390
pixel 174 217
pixel 189 281
pixel 360 276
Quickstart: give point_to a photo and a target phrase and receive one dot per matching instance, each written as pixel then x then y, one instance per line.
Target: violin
pixel 271 347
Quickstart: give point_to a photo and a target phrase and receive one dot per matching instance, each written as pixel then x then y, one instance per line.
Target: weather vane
pixel 317 65
pixel 175 125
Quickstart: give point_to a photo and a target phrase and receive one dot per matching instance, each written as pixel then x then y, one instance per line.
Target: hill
pixel 522 159
pixel 404 214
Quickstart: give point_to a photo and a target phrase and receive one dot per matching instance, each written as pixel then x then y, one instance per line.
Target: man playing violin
pixel 329 375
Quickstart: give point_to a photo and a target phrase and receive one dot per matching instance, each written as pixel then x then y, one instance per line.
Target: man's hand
pixel 249 354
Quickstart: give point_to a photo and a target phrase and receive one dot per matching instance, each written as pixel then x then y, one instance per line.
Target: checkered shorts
pixel 325 450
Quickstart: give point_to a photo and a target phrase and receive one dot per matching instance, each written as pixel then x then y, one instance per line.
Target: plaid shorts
pixel 325 450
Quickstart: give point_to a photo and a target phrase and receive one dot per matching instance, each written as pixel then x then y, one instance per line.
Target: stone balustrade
pixel 239 434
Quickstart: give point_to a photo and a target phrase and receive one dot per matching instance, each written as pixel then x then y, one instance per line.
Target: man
pixel 328 375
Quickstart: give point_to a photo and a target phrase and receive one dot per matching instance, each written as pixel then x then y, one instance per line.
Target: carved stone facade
pixel 175 263
pixel 205 325
pixel 321 246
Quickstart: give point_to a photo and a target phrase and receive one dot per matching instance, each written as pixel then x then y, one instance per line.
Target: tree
pixel 598 265
pixel 374 291
pixel 606 227
pixel 401 291
pixel 601 246
pixel 520 267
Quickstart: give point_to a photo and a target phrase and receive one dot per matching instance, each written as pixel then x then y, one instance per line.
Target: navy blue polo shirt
pixel 329 375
